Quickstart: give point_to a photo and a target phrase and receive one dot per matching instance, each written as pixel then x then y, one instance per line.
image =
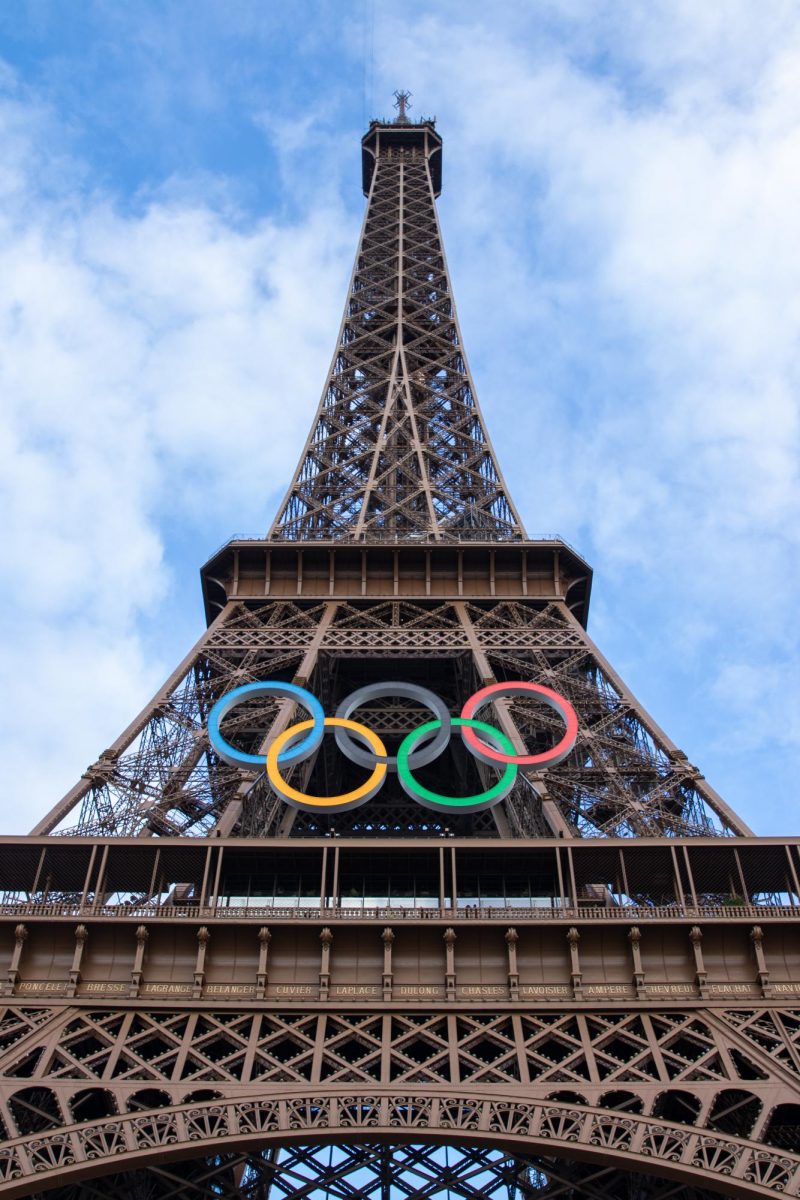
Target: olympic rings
pixel 291 747
pixel 519 688
pixel 410 691
pixel 463 804
pixel 272 687
pixel 331 804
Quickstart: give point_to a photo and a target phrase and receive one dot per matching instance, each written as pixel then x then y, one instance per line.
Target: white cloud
pixel 638 171
pixel 154 366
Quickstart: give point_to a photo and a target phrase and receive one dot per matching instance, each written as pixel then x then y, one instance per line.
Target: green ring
pixel 441 803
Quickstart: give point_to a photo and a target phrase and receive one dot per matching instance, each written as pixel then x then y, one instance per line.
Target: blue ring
pixel 238 758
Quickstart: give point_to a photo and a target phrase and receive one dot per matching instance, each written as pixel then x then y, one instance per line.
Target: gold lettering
pixel 544 989
pixel 606 989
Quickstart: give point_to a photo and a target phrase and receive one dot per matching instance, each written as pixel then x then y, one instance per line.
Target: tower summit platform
pixel 402 137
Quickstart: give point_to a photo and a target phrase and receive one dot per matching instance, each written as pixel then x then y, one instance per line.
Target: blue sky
pixel 179 207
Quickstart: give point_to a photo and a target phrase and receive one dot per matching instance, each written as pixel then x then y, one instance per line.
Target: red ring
pixel 550 757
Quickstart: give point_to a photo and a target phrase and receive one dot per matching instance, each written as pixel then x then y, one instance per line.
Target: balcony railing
pixel 223 912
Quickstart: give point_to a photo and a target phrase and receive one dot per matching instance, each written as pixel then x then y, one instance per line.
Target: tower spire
pixel 402 101
pixel 399 449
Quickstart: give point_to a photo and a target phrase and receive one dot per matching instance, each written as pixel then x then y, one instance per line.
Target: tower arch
pixel 534 1134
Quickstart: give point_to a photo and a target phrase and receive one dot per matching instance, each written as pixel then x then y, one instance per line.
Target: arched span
pixel 732 1166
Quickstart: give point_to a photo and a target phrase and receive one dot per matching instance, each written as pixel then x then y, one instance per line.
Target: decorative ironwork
pixel 544 1138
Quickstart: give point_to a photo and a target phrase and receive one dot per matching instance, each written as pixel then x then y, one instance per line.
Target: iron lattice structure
pixel 590 990
pixel 398 448
pixel 624 779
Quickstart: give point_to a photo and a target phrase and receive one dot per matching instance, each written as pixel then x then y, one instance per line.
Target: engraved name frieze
pixel 545 989
pixel 38 986
pixel 419 990
pixel 166 989
pixel 608 989
pixel 731 989
pixel 355 990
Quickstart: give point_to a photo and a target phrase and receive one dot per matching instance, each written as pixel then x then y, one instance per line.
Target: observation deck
pixel 459 922
pixel 258 569
pixel 409 138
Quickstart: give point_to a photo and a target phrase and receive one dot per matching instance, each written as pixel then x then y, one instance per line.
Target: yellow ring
pixel 332 803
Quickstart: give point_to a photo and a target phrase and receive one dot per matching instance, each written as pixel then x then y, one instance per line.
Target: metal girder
pixel 625 778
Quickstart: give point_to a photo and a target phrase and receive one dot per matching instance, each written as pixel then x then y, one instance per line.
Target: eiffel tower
pixel 235 969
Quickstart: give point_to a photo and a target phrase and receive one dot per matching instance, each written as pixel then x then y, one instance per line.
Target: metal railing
pixel 584 913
